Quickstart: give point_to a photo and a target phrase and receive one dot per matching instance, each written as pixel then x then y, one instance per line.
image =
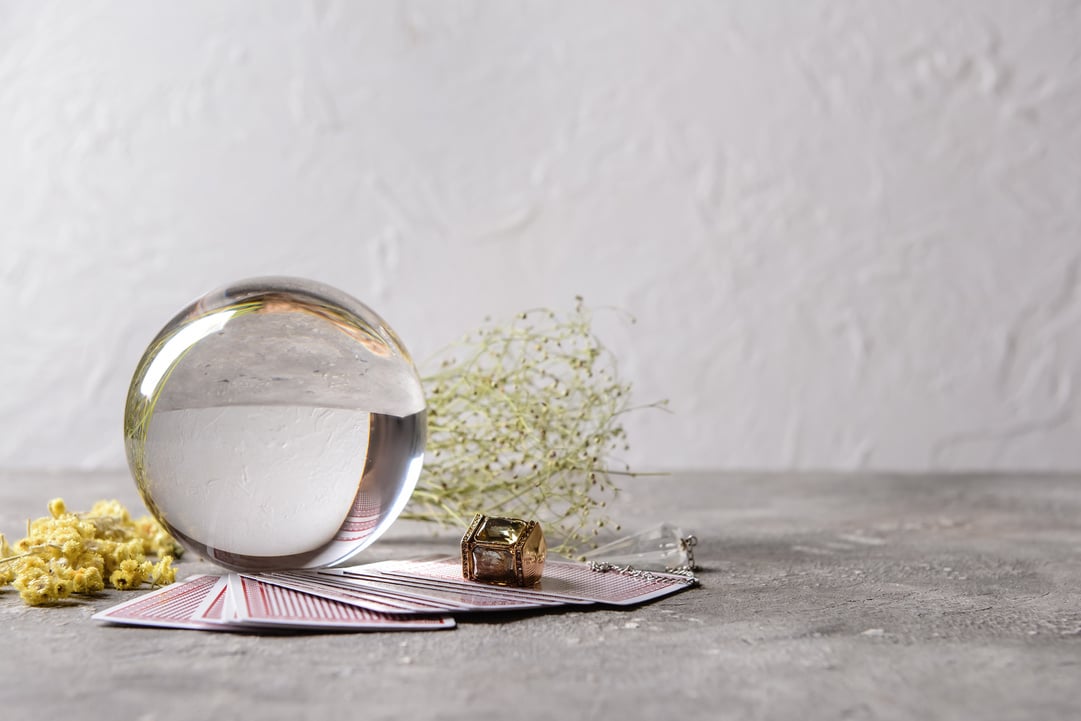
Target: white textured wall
pixel 851 232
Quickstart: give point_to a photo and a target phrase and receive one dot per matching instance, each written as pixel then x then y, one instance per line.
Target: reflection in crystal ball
pixel 275 423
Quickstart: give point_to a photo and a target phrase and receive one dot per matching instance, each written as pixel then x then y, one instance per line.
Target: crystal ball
pixel 276 423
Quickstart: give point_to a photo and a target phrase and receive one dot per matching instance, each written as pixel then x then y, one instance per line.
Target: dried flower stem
pixel 523 420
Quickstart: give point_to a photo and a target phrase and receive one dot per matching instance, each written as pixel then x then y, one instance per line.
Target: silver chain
pixel 685 572
pixel 685 575
pixel 687 546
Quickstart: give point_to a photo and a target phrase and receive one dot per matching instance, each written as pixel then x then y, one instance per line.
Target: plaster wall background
pixel 850 232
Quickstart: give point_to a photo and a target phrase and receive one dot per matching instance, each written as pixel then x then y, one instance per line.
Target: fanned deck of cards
pixel 417 595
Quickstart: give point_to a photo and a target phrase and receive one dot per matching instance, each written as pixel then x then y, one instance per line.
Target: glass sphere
pixel 276 423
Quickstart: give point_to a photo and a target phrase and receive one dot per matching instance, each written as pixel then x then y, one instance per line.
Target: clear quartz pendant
pixel 663 547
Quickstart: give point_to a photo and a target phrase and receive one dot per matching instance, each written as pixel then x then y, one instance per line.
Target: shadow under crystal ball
pixel 276 423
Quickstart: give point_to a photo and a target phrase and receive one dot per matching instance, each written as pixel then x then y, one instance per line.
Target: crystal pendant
pixel 663 547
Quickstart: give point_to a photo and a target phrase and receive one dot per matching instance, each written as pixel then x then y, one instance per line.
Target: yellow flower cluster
pixel 65 553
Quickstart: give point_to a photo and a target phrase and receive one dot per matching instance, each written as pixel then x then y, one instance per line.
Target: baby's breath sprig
pixel 65 553
pixel 524 420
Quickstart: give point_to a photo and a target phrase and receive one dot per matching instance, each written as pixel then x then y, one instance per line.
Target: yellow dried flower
pixel 28 565
pixel 156 540
pixel 73 548
pixel 110 509
pixel 88 580
pixel 89 559
pixel 57 507
pixel 61 569
pixel 35 587
pixel 129 574
pixel 65 553
pixel 130 551
pixel 163 572
pixel 61 587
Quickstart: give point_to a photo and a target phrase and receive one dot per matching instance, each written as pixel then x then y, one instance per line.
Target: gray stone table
pixel 823 596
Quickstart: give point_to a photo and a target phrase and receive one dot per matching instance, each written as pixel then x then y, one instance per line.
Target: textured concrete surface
pixel 849 231
pixel 824 597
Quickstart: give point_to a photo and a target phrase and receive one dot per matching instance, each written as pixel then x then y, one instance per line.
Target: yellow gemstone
pixel 493 564
pixel 501 530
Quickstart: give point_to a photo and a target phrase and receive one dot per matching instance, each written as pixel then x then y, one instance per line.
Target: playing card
pixel 562 581
pixel 168 607
pixel 373 574
pixel 214 609
pixel 266 604
pixel 371 598
pixel 458 597
pixel 390 595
